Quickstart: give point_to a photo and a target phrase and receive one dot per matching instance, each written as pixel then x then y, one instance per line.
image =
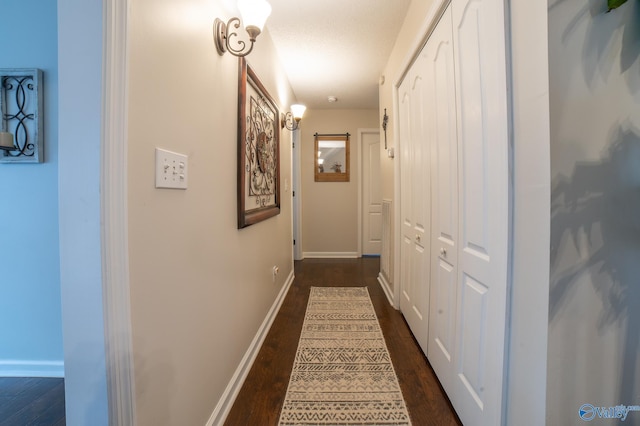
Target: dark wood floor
pixel 261 397
pixel 31 401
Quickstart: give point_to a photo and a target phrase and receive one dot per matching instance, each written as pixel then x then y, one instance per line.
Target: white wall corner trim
pixel 330 255
pixel 229 395
pixel 531 144
pixel 23 368
pixel 386 287
pixel 115 250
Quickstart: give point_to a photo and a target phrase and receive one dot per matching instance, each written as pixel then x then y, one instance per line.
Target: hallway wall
pixel 200 288
pixel 30 307
pixel 594 300
pixel 330 209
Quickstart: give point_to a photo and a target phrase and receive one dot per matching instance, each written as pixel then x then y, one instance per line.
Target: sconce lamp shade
pixel 254 14
pixel 298 111
pixel 291 119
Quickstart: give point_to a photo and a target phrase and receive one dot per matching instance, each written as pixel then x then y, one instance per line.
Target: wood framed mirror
pixel 331 157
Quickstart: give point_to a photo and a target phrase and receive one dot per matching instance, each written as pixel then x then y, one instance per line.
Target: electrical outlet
pixel 171 169
pixel 275 272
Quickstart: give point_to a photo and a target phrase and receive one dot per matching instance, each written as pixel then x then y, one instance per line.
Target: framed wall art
pixel 331 156
pixel 258 150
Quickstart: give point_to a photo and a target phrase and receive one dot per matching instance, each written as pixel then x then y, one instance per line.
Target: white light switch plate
pixel 171 169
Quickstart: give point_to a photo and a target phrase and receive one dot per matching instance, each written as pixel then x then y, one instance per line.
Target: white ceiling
pixel 335 47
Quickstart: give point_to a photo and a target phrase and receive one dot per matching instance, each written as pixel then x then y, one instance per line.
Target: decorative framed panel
pixel 331 157
pixel 21 100
pixel 258 150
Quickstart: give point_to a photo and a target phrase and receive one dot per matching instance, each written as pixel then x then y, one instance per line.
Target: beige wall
pixel 330 209
pixel 200 288
pixel 406 45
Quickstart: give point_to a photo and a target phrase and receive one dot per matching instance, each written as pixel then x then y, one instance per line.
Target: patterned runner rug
pixel 342 374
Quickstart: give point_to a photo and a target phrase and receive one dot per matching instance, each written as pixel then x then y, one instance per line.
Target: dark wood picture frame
pixel 258 150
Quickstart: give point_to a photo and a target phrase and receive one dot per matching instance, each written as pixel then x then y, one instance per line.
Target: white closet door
pixel 415 207
pixel 371 194
pixel 479 45
pixel 441 123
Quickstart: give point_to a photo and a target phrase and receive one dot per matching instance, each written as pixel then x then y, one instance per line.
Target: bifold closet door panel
pixel 441 123
pixel 415 207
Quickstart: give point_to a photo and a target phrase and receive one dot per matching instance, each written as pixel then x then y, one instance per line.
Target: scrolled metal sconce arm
pixel 223 36
pixel 289 121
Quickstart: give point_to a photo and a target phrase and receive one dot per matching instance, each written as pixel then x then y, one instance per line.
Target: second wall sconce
pixel 291 120
pixel 254 14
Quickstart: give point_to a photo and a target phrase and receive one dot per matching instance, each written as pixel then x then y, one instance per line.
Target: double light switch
pixel 171 169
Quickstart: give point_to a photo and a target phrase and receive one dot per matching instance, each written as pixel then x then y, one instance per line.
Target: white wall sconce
pixel 21 123
pixel 254 14
pixel 291 120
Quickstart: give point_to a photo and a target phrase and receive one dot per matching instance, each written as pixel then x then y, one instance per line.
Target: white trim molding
pixel 229 395
pixel 386 287
pixel 330 255
pixel 115 250
pixel 23 368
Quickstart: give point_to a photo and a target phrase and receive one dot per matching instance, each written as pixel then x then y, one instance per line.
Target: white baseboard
pixel 386 287
pixel 229 395
pixel 20 368
pixel 330 255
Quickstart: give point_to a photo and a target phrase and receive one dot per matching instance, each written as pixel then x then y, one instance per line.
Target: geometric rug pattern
pixel 342 373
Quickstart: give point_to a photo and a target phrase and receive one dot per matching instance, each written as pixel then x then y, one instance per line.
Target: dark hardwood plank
pixel 11 386
pixel 261 397
pixel 31 401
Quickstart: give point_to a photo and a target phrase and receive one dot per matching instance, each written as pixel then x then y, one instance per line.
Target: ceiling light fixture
pixel 291 120
pixel 332 99
pixel 254 14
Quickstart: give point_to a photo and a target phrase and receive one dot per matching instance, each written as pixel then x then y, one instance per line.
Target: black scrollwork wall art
pixel 385 121
pixel 21 113
pixel 258 150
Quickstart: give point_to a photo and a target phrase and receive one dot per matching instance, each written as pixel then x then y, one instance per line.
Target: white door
pixel 441 132
pixel 479 45
pixel 371 194
pixel 415 207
